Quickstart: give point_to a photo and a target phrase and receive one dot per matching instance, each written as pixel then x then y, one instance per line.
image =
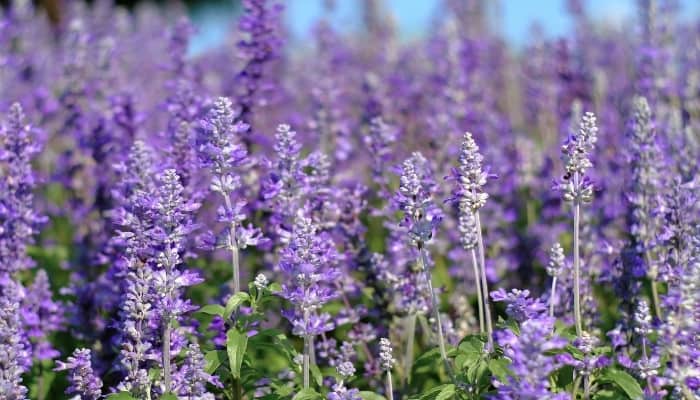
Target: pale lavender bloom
pixel 308 263
pixel 531 367
pixel 385 354
pixel 41 316
pixel 13 351
pixel 83 381
pixel 519 305
pixel 576 156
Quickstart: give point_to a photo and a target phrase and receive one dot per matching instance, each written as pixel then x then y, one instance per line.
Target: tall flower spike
pixel 308 265
pixel 20 220
pixel 83 382
pixel 260 24
pixel 644 193
pixel 420 219
pixel 221 151
pixel 530 365
pixel 555 267
pixel 578 189
pixel 12 350
pixel 469 194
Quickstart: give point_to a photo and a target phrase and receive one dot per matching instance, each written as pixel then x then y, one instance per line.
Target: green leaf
pixel 367 395
pixel 316 374
pixel 213 360
pixel 168 396
pixel 430 358
pixel 212 309
pixel 121 396
pixel 236 344
pixel 499 368
pixel 472 346
pixel 307 394
pixel 624 381
pixel 441 392
pixel 275 287
pixel 234 302
pixel 476 372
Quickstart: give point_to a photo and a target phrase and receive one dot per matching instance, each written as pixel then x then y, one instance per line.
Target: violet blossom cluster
pixel 263 218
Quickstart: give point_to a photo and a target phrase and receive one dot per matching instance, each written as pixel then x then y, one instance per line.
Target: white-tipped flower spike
pixel 386 354
pixel 261 281
pixel 556 262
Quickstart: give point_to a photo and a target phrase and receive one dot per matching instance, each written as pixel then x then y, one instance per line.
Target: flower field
pixel 360 216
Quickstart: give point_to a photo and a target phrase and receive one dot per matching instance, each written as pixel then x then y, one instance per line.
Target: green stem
pixel 410 339
pixel 552 297
pixel 233 246
pixel 389 386
pixel 654 285
pixel 436 310
pixel 484 282
pixel 166 356
pixel 577 262
pixel 479 294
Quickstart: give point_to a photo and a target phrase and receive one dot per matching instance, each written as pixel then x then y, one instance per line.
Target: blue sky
pixel 413 16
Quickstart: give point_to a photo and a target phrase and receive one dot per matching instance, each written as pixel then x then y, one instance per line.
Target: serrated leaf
pixel 307 394
pixel 476 372
pixel 624 381
pixel 447 392
pixel 212 309
pixel 429 358
pixel 234 302
pixel 367 395
pixel 471 345
pixel 236 344
pixel 316 374
pixel 121 396
pixel 441 392
pixel 499 368
pixel 213 360
pixel 275 287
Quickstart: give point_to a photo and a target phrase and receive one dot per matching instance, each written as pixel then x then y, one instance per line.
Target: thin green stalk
pixel 307 352
pixel 577 263
pixel 552 297
pixel 410 339
pixel 577 383
pixel 389 386
pixel 233 246
pixel 654 286
pixel 166 357
pixel 484 282
pixel 479 294
pixel 306 362
pixel 436 312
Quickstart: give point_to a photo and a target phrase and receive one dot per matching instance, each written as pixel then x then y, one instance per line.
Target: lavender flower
pixel 528 361
pixel 387 363
pixel 644 194
pixel 83 381
pixel 221 151
pixel 20 221
pixel 519 305
pixel 555 267
pixel 420 218
pixel 577 188
pixel 41 317
pixel 191 380
pixel 469 195
pixel 12 349
pixel 308 264
pixel 260 23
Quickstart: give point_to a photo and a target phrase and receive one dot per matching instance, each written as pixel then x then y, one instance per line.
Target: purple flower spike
pixel 83 381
